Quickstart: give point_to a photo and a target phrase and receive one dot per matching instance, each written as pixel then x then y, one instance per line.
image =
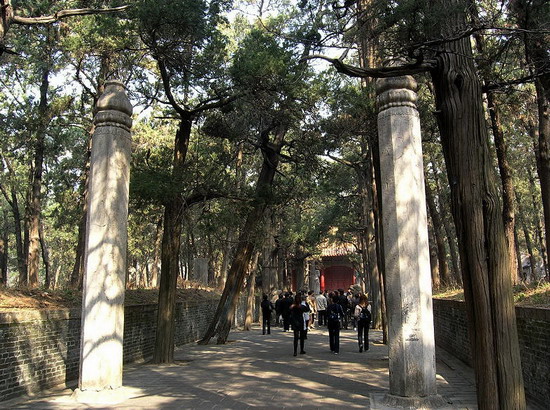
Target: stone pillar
pixel 407 256
pixel 105 254
pixel 200 270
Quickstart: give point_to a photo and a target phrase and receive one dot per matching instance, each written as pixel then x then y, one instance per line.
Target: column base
pixel 389 401
pixel 107 396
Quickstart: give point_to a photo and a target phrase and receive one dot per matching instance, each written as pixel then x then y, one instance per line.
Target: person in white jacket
pixel 322 304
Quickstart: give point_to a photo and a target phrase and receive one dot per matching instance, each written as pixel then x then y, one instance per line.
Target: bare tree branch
pixel 381 72
pixel 27 21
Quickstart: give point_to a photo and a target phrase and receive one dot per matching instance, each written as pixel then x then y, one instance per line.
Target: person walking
pixel 285 311
pixel 279 310
pixel 334 315
pixel 344 303
pixel 363 318
pixel 267 307
pixel 321 301
pixel 297 310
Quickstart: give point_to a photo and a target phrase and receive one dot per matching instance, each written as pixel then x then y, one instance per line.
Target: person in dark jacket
pixel 278 309
pixel 363 316
pixel 344 302
pixel 267 307
pixel 297 310
pixel 287 301
pixel 334 315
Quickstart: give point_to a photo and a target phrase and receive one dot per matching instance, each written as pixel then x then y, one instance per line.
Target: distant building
pixel 336 268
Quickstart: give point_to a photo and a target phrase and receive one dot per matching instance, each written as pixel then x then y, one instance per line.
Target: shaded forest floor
pixel 536 294
pixel 12 298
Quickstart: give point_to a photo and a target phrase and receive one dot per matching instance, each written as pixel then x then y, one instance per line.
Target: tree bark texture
pixel 365 178
pixel 4 248
pixel 528 243
pixel 11 198
pixel 269 258
pixel 171 241
pixel 477 212
pixel 35 202
pixel 77 273
pixel 434 263
pixel 508 190
pixel 438 235
pixel 48 280
pixel 250 290
pixel 154 282
pixel 449 231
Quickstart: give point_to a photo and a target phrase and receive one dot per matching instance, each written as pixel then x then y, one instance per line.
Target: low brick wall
pixel 450 323
pixel 41 349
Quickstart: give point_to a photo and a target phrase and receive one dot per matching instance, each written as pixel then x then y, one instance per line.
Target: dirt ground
pixel 14 299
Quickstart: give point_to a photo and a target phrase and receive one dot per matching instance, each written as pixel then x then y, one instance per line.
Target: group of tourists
pixel 335 310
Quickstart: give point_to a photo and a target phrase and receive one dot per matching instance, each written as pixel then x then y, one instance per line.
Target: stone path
pixel 260 371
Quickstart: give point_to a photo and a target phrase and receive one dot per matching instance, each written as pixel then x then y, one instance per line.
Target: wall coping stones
pixel 528 312
pixel 17 316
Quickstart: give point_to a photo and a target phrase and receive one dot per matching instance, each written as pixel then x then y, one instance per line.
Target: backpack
pixel 333 316
pixel 365 315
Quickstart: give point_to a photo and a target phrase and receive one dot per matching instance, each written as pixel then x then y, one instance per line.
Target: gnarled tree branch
pixel 27 21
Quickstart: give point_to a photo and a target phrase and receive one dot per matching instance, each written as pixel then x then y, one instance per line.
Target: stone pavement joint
pixel 260 371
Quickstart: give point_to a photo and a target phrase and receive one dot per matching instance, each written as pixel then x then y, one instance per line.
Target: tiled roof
pixel 341 249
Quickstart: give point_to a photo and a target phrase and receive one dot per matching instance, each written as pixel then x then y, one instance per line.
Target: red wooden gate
pixel 338 277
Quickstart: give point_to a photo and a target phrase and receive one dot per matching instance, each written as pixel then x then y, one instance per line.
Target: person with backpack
pixel 297 310
pixel 267 308
pixel 334 315
pixel 363 317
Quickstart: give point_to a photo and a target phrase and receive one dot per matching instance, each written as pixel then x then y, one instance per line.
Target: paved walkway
pixel 260 371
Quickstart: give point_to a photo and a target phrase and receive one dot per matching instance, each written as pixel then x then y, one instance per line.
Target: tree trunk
pixel 544 159
pixel 508 190
pixel 4 248
pixel 157 254
pixel 6 15
pixel 250 299
pixel 171 240
pixel 366 186
pixel 538 225
pixel 478 218
pixel 441 252
pixel 48 281
pixel 298 264
pixel 269 259
pixel 221 323
pixel 11 199
pixel 533 17
pixel 449 232
pixel 528 243
pixel 34 206
pixel 77 273
pixel 518 253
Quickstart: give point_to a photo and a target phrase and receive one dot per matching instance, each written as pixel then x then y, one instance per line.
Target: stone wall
pixel 450 323
pixel 41 349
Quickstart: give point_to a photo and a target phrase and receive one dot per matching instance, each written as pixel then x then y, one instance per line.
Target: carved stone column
pixel 105 253
pixel 407 257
